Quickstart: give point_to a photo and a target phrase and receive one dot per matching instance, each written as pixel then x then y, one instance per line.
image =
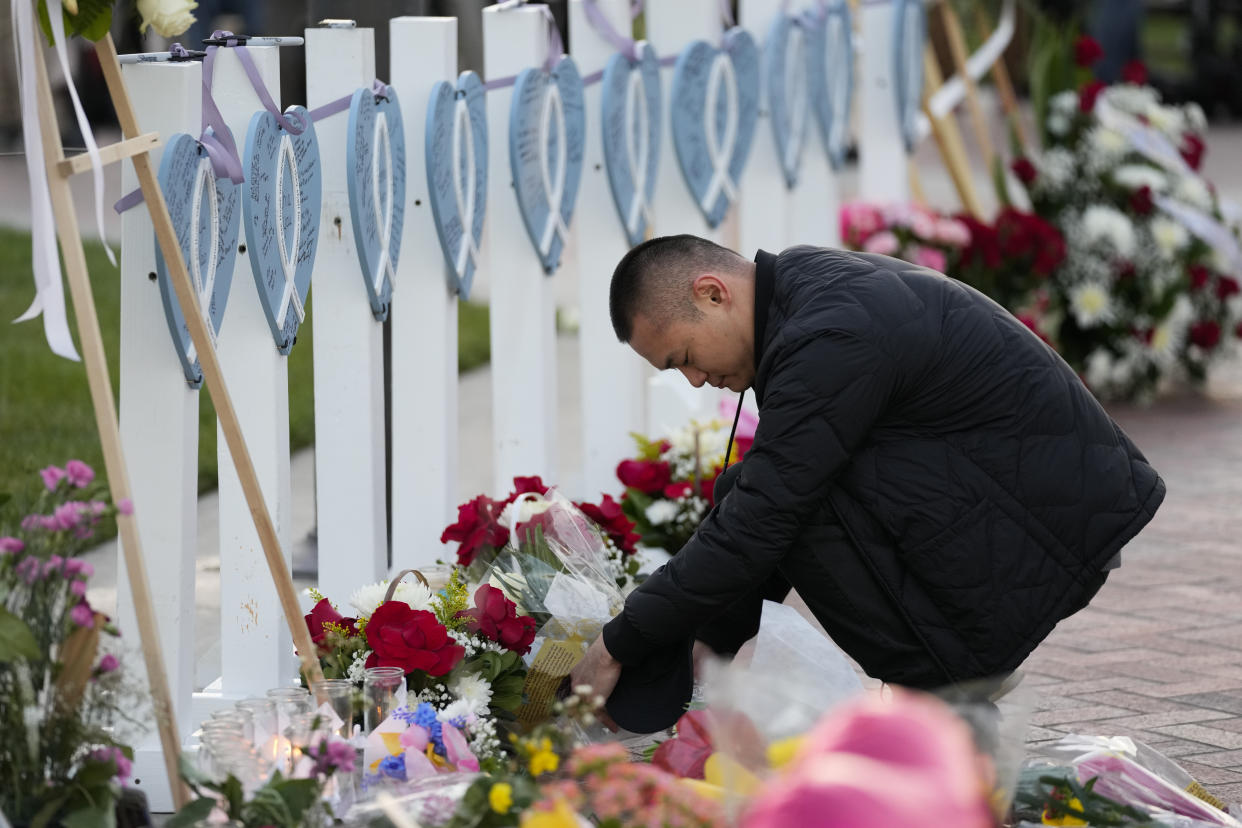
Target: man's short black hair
pixel 653 279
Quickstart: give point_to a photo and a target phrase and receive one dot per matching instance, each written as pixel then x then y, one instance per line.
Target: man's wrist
pixel 624 643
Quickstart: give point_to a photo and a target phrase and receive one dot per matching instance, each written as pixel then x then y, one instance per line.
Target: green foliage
pixel 16 640
pixel 1058 793
pixel 281 803
pixel 449 602
pixel 92 21
pixel 475 810
pixel 506 672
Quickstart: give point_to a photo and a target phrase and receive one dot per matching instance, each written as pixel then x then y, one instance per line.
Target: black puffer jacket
pixel 973 473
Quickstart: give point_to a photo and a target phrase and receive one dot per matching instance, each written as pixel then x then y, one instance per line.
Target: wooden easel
pixel 137 146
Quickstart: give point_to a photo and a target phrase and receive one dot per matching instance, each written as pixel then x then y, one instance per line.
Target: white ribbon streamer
pixel 288 264
pixel 720 150
pixel 637 149
pixel 553 182
pixel 382 217
pixel 1219 237
pixel 49 289
pixel 795 93
pixel 468 251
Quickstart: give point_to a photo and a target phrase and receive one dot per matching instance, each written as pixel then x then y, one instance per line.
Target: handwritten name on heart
pixel 206 215
pixel 547 136
pixel 786 62
pixel 375 159
pixel 631 104
pixel 284 191
pixel 832 77
pixel 456 156
pixel 713 109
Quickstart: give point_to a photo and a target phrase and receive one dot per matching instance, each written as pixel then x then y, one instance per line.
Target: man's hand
pixel 600 671
pixel 702 653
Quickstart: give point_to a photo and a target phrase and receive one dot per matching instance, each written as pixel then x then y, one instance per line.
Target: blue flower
pixel 425 715
pixel 393 767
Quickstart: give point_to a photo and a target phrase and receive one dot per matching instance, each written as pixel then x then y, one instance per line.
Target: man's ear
pixel 710 289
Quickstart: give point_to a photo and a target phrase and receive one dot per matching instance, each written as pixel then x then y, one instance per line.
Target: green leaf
pixel 1000 182
pixel 193 812
pixel 102 814
pixel 17 642
pixel 93 20
pixel 232 791
pixel 298 794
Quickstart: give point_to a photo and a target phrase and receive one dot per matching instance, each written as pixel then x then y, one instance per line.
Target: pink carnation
pixel 52 476
pixel 10 544
pixel 885 243
pixel 952 231
pixel 930 257
pixel 125 506
pixel 79 474
pixel 107 664
pixel 81 614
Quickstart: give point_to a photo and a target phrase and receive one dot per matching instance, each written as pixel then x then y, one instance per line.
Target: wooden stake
pixel 957 47
pixel 1000 76
pixel 106 421
pixel 167 238
pixel 948 138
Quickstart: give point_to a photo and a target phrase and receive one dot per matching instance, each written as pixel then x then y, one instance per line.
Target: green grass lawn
pixel 45 405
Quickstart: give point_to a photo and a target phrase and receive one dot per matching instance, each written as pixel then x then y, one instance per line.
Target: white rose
pixel 169 18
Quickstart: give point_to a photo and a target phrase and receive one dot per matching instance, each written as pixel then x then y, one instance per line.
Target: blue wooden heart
pixel 631 106
pixel 832 77
pixel 206 216
pixel 910 31
pixel 547 135
pixel 375 171
pixel 457 173
pixel 283 196
pixel 713 110
pixel 786 62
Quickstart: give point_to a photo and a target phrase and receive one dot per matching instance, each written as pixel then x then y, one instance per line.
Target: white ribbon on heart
pixel 637 148
pixel 288 263
pixel 463 192
pixel 381 143
pixel 204 181
pixel 795 92
pixel 553 181
pixel 838 47
pixel 720 150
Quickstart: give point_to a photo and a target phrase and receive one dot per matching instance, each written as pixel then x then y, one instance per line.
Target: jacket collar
pixel 765 287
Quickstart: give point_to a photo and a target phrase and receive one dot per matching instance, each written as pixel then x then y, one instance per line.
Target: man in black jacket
pixel 936 483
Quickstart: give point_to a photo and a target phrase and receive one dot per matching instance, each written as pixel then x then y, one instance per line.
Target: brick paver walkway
pixel 1158 654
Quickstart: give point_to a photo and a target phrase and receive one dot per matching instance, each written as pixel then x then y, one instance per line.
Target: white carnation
pixel 1170 236
pixel 1107 225
pixel 661 512
pixel 366 599
pixel 169 18
pixel 1108 146
pixel 1129 98
pixel 1137 176
pixel 1092 304
pixel 474 691
pixel 523 509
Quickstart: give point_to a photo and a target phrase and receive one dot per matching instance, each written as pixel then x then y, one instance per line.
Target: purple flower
pixel 32 522
pixel 82 532
pixel 79 474
pixel 125 506
pixel 52 476
pixel 81 614
pixel 28 570
pixel 53 565
pixel 67 515
pixel 78 588
pixel 334 755
pixel 95 507
pixel 107 664
pixel 10 544
pixel 114 755
pixel 50 522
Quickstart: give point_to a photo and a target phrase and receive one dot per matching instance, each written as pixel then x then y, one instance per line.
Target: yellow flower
pixel 544 761
pixel 781 753
pixel 500 797
pixel 1076 805
pixel 561 816
pixel 726 772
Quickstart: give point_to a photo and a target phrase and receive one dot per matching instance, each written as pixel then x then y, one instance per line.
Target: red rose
pixel 1205 334
pixel 675 490
pixel 1225 287
pixel 1087 95
pixel 526 485
pixel 477 524
pixel 707 485
pixel 1192 148
pixel 1134 72
pixel 614 523
pixel 412 640
pixel 1140 200
pixel 496 618
pixel 1024 170
pixel 1199 276
pixel 648 476
pixel 323 614
pixel 1087 50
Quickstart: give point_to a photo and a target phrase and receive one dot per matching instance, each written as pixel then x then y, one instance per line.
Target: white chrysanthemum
pixel 1167 119
pixel 1195 118
pixel 1137 176
pixel 1058 124
pixel 474 690
pixel 1170 236
pixel 1099 367
pixel 661 512
pixel 459 709
pixel 1192 190
pixel 1107 225
pixel 1129 98
pixel 366 599
pixel 1092 304
pixel 1064 103
pixel 1107 146
pixel 1169 336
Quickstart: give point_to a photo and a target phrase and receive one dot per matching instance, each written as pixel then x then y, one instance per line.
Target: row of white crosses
pixel 159 410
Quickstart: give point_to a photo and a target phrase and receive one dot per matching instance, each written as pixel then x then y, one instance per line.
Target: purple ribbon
pixel 726 12
pixel 556 46
pixel 599 22
pixel 378 88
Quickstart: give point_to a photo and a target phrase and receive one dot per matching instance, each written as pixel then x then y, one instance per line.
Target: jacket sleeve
pixel 823 395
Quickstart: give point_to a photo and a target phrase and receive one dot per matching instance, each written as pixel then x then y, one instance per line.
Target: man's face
pixel 716 349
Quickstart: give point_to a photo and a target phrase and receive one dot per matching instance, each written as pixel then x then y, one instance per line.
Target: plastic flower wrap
pixel 419 742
